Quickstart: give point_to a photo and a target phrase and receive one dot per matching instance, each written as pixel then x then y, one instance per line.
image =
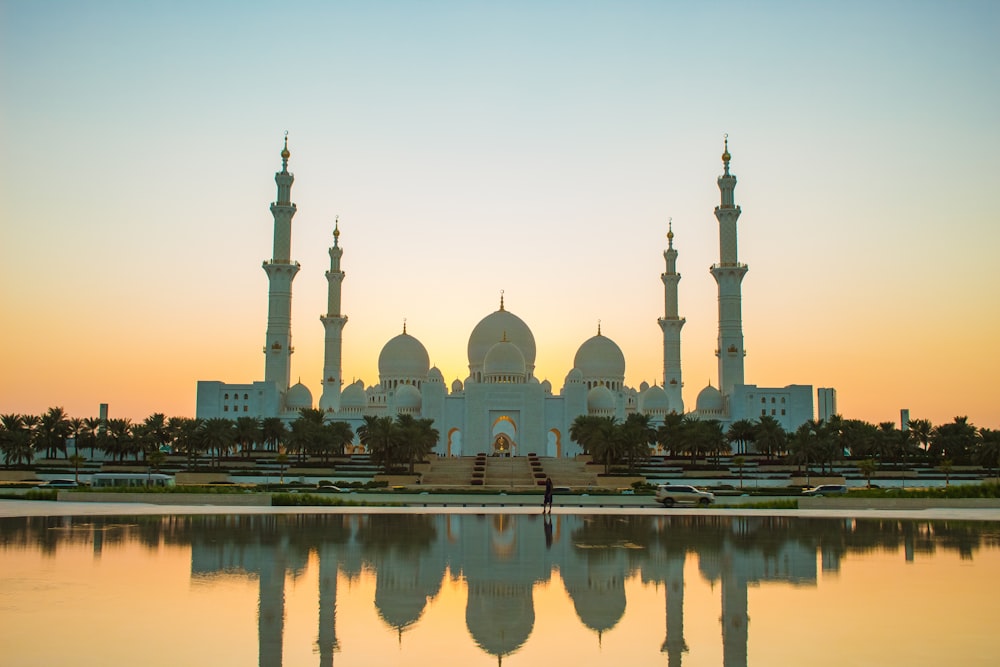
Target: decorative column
pixel 333 322
pixel 671 324
pixel 280 270
pixel 728 274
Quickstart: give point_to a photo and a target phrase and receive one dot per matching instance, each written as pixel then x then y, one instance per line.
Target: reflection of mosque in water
pixel 502 557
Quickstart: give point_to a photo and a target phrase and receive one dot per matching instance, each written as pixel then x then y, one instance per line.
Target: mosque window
pixel 246 397
pixel 763 412
pixel 763 400
pixel 225 408
pixel 782 412
pixel 226 397
pixel 782 399
pixel 772 411
pixel 246 408
pixel 772 399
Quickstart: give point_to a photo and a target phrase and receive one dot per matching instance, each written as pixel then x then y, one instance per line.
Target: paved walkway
pixel 474 505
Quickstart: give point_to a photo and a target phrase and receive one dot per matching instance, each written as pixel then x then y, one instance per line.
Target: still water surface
pixel 497 589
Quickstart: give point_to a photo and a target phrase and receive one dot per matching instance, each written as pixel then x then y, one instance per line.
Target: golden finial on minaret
pixel 336 227
pixel 670 232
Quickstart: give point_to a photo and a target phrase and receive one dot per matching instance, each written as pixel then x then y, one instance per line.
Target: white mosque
pixel 502 407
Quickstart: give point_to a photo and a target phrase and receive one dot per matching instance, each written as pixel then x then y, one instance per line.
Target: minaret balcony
pixel 285 262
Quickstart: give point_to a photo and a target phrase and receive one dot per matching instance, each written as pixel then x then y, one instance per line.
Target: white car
pixel 671 494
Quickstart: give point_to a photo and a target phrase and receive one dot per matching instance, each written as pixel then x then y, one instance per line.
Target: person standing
pixel 547 500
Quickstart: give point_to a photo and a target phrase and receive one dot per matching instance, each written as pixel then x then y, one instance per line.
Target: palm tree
pixel 669 433
pixel 273 433
pixel 119 438
pixel 340 434
pixel 76 460
pixel 988 451
pixel 636 435
pixel 218 435
pixel 416 438
pixel 954 441
pixel 769 436
pixel 15 439
pixel 53 429
pixel 867 468
pixel 921 430
pixel 598 437
pixel 378 435
pixel 88 439
pixel 248 432
pixel 741 432
pixel 307 433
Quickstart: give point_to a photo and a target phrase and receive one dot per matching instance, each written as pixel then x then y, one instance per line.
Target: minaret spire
pixel 671 324
pixel 333 323
pixel 280 270
pixel 728 274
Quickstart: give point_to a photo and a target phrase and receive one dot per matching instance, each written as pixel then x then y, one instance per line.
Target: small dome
pixel 600 400
pixel 353 397
pixel 434 375
pixel 403 357
pixel 546 386
pixel 456 387
pixel 709 400
pixel 655 401
pixel 504 358
pixel 574 376
pixel 643 387
pixel 298 397
pixel 408 398
pixel 494 327
pixel 600 357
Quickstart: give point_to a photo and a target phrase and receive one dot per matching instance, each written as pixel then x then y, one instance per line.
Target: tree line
pixel 815 443
pixel 401 441
pixel 392 442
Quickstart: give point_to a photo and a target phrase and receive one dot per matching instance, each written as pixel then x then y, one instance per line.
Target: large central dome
pixel 494 328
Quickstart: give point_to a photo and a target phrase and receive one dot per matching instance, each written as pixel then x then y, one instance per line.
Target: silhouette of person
pixel 547 500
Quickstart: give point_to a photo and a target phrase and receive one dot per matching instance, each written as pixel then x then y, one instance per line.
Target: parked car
pixel 825 490
pixel 671 494
pixel 61 484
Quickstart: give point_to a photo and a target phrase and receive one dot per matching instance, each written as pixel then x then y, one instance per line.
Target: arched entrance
pixel 504 436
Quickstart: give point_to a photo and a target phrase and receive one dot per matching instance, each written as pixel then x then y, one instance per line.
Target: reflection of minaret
pixel 674 645
pixel 271 610
pixel 671 324
pixel 734 614
pixel 281 272
pixel 728 273
pixel 327 639
pixel 334 322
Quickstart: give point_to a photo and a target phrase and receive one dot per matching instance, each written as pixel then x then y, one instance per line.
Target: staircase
pixel 507 472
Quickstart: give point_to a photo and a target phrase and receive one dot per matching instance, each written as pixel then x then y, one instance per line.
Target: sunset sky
pixel 537 148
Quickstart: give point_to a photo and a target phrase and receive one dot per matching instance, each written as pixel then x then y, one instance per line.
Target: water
pixel 494 589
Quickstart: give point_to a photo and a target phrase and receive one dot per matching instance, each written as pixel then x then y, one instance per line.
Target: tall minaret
pixel 671 324
pixel 280 270
pixel 728 273
pixel 334 322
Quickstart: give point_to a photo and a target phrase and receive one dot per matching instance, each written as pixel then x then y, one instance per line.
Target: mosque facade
pixel 502 407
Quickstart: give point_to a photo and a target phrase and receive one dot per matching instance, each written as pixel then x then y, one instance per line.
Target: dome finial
pixel 404 325
pixel 725 153
pixel 336 230
pixel 501 299
pixel 670 233
pixel 598 327
pixel 285 154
